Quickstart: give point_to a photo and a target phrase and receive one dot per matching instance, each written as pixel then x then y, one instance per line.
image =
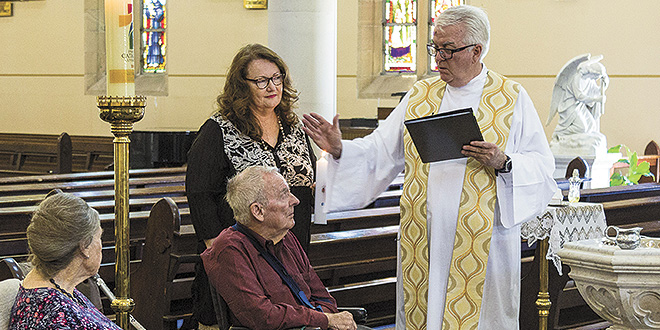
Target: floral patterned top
pixel 291 154
pixel 47 308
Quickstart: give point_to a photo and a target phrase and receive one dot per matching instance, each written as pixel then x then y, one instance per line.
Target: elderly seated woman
pixel 64 237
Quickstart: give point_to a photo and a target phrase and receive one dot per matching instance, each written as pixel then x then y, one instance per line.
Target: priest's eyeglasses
pixel 445 53
pixel 262 82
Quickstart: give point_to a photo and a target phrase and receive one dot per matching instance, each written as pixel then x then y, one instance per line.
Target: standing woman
pixel 64 237
pixel 254 125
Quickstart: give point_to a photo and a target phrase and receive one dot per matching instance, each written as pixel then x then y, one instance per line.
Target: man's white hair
pixel 475 21
pixel 246 188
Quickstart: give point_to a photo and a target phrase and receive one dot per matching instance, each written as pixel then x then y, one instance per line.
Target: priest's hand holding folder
pixel 486 153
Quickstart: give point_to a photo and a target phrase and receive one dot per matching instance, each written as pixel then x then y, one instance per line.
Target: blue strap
pixel 279 268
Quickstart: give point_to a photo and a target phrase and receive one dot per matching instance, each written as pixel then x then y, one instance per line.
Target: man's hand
pixel 486 153
pixel 341 321
pixel 327 136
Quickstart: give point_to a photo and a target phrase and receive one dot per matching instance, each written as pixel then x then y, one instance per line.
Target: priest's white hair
pixel 475 21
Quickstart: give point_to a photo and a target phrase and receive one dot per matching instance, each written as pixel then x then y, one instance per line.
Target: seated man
pixel 237 264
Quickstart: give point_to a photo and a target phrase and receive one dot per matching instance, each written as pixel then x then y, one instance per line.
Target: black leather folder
pixel 442 136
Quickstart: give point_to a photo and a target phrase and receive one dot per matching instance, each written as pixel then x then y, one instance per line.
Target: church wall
pixel 348 103
pixel 42 61
pixel 42 65
pixel 532 40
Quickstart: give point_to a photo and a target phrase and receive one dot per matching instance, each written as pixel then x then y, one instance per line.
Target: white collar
pixel 476 84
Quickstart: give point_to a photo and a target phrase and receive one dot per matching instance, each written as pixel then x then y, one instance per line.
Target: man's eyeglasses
pixel 262 82
pixel 445 53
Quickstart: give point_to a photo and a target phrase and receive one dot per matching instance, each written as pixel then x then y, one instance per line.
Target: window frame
pixel 384 47
pixel 430 60
pixel 140 38
pixel 148 83
pixel 372 80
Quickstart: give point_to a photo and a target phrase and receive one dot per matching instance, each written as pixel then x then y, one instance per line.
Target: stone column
pixel 304 34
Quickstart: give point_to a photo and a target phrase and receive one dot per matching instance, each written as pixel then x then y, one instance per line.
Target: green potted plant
pixel 635 170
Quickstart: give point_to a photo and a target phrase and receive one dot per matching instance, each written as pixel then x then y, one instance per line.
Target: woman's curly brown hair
pixel 235 100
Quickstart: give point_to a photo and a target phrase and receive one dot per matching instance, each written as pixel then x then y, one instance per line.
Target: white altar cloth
pixel 562 224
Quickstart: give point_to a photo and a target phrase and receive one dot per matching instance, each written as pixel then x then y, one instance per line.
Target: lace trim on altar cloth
pixel 565 224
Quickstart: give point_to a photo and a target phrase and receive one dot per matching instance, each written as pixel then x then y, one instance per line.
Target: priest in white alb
pixel 459 237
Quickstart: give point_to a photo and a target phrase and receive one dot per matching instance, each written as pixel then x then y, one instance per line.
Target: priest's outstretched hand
pixel 327 136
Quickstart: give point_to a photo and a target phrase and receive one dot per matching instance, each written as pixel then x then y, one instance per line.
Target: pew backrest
pixel 33 154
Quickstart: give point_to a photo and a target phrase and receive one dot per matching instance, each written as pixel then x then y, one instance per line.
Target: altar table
pixel 554 227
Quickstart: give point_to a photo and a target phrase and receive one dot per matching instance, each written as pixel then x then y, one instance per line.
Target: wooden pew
pixel 92 153
pixel 18 199
pixel 166 247
pixel 89 185
pixel 345 252
pixel 15 211
pixel 354 219
pixel 383 112
pixel 26 154
pixel 69 177
pixel 599 195
pixel 356 128
pixel 33 154
pixel 359 267
pixel 652 155
pixel 377 297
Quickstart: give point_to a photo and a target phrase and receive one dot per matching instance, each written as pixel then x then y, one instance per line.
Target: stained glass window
pixel 154 41
pixel 400 35
pixel 435 8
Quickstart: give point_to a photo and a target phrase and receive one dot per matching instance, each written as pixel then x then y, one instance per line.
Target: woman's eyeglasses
pixel 262 82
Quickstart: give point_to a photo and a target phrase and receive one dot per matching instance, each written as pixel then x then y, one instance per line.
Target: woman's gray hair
pixel 61 225
pixel 246 188
pixel 475 21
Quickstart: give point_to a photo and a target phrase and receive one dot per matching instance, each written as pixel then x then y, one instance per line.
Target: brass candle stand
pixel 121 112
pixel 543 303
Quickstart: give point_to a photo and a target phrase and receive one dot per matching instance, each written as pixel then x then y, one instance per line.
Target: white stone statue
pixel 579 98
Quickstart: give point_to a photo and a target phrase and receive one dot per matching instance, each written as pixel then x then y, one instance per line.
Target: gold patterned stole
pixel 476 212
